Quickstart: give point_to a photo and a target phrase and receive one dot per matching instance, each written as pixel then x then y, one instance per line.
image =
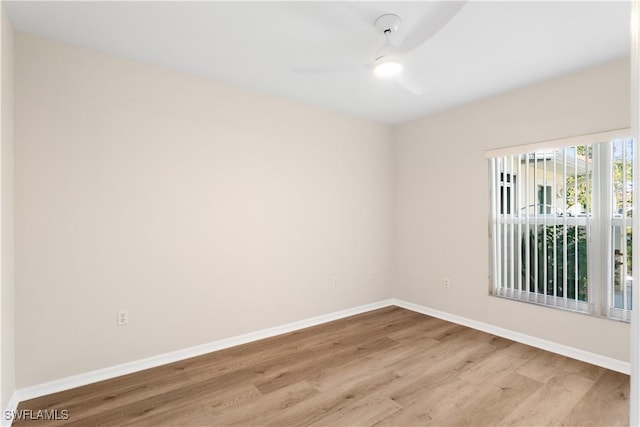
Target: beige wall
pixel 441 217
pixel 7 288
pixel 205 210
pixel 208 211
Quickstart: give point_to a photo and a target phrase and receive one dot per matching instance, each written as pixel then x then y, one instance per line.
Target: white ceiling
pixel 488 48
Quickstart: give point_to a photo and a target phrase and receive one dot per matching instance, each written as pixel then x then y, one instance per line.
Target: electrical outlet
pixel 123 318
pixel 334 281
pixel 447 282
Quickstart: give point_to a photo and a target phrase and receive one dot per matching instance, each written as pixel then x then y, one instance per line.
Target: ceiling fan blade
pixel 436 17
pixel 414 84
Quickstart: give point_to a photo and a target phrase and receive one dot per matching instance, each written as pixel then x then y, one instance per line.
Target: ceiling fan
pixel 388 59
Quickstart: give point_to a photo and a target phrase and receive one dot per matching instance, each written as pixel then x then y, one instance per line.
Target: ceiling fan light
pixel 387 68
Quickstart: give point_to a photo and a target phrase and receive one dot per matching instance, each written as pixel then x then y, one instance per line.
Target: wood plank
pixel 433 405
pixel 550 404
pixel 493 401
pixel 610 395
pixel 363 412
pixel 499 365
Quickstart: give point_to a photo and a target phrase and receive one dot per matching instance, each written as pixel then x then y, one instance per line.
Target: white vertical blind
pixel 620 223
pixel 546 209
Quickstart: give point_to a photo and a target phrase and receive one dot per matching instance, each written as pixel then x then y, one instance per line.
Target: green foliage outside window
pixel 576 263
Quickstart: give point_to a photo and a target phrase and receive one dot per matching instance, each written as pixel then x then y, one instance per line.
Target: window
pixel 544 199
pixel 561 223
pixel 507 183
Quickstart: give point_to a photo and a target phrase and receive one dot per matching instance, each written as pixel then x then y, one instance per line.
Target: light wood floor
pixel 389 367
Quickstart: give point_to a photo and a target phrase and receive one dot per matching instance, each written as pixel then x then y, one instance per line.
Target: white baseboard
pixel 12 407
pixel 572 352
pixel 175 356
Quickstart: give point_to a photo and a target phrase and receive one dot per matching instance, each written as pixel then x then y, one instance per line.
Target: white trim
pixel 12 406
pixel 572 352
pixel 634 386
pixel 175 356
pixel 592 138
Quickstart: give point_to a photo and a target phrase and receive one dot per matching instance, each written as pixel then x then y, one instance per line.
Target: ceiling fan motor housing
pixel 388 23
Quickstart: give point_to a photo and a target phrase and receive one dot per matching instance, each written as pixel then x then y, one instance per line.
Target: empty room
pixel 319 213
